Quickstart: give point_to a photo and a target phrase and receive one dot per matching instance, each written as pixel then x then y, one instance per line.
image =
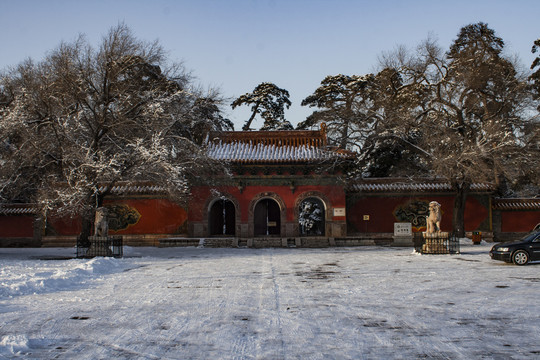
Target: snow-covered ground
pixel 334 303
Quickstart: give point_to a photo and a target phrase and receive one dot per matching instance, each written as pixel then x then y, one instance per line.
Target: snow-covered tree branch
pixel 85 118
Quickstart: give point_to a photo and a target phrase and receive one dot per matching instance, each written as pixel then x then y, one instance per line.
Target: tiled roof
pixel 516 204
pixel 273 146
pixel 254 153
pixel 134 189
pixel 402 185
pixel 18 209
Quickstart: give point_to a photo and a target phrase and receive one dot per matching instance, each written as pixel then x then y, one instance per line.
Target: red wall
pixel 381 213
pixel 62 225
pixel 201 195
pixel 16 226
pixel 157 216
pixel 519 221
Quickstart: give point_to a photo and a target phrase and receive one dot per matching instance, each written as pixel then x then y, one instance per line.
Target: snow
pixel 332 303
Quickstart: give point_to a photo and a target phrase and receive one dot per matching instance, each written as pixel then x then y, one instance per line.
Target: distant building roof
pixel 408 185
pixel 290 146
pixel 134 188
pixel 516 204
pixel 18 209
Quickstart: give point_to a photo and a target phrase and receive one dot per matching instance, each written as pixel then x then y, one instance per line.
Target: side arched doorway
pixel 222 218
pixel 267 218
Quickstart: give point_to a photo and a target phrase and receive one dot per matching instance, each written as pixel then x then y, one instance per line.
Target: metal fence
pixel 437 243
pixel 100 246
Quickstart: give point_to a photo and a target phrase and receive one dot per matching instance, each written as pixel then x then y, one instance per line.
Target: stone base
pixel 435 235
pixel 403 240
pixel 434 248
pixel 99 246
pixel 435 243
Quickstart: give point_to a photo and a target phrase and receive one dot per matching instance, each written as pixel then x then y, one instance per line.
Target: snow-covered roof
pixel 134 188
pixel 406 185
pixel 273 146
pixel 18 209
pixel 254 153
pixel 516 204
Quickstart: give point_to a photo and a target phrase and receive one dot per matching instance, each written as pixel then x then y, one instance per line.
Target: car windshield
pixel 534 236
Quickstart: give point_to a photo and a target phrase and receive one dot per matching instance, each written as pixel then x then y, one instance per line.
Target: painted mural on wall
pixel 414 212
pixel 121 216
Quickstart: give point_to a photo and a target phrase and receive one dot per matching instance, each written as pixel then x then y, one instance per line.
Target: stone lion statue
pixel 434 218
pixel 101 224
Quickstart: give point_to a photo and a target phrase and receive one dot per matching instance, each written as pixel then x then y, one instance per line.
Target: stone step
pixel 218 242
pixel 178 242
pixel 59 241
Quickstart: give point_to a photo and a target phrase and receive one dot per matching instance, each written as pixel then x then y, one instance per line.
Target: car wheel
pixel 520 257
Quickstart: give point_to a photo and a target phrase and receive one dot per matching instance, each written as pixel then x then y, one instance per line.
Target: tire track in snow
pixel 277 307
pixel 247 315
pixel 268 341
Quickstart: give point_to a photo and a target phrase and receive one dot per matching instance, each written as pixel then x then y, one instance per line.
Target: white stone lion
pixel 101 224
pixel 434 219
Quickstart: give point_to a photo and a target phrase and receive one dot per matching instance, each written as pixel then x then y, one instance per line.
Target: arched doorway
pixel 311 217
pixel 222 218
pixel 267 218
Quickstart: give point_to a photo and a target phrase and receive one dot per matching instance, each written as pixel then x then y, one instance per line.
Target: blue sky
pixel 237 44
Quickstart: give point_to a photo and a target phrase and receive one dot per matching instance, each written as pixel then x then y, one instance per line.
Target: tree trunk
pixel 458 216
pixel 344 134
pixel 248 123
pixel 86 230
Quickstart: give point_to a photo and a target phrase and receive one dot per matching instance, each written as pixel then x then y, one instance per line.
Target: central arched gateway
pixel 267 218
pixel 267 215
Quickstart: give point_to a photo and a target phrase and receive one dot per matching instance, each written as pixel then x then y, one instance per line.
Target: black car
pixel 521 252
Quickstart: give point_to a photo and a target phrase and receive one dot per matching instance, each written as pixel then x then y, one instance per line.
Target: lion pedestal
pixel 99 246
pixel 435 243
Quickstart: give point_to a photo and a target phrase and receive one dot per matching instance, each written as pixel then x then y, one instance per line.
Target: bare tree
pixel 468 112
pixel 84 119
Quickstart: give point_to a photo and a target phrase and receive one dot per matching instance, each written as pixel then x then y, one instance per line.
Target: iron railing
pixel 437 243
pixel 100 246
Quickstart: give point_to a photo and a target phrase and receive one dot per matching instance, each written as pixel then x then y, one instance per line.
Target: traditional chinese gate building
pixel 285 190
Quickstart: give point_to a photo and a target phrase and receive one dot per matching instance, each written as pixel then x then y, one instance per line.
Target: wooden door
pixel 267 218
